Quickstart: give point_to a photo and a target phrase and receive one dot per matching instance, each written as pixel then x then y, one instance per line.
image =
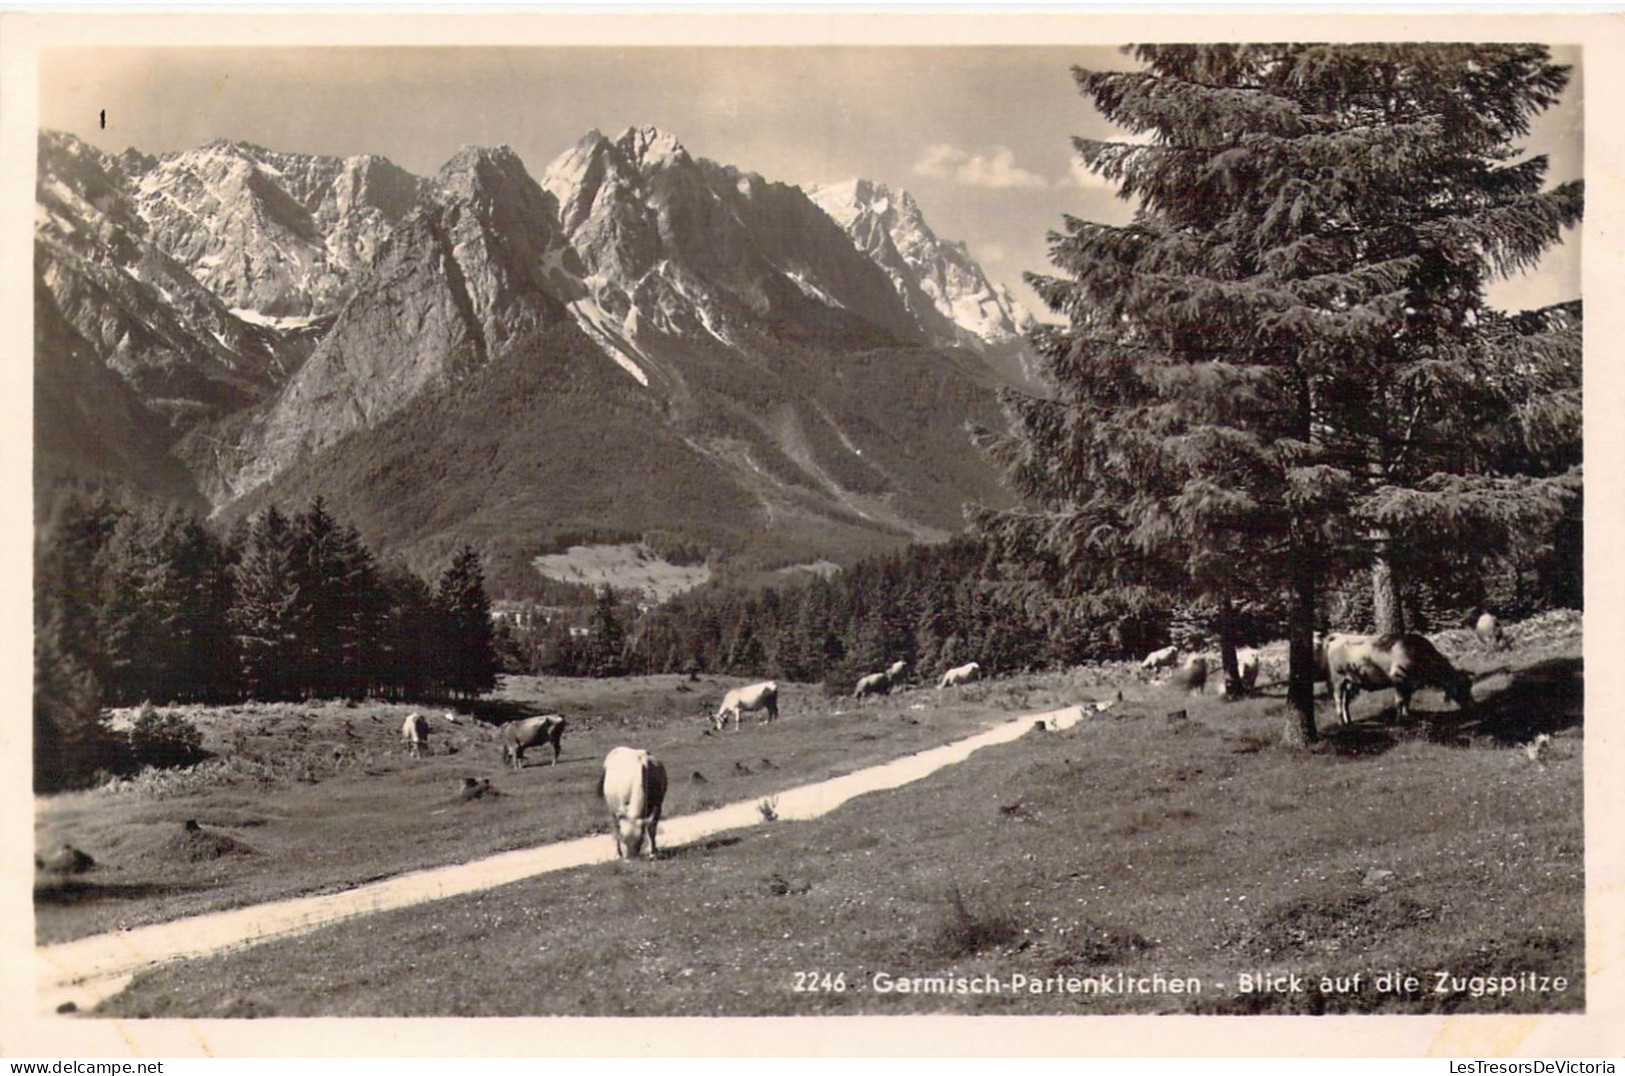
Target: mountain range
pixel 639 340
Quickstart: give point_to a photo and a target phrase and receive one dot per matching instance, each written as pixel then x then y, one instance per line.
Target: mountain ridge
pixel 757 355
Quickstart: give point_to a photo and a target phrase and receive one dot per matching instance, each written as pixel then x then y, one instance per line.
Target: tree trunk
pixel 1386 606
pixel 1227 649
pixel 1301 650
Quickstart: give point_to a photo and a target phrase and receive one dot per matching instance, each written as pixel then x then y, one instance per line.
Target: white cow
pixel 1405 663
pixel 762 696
pixel 634 788
pixel 1489 631
pixel 415 731
pixel 879 683
pixel 1161 659
pixel 962 674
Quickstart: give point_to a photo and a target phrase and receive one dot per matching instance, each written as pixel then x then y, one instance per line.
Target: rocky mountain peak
pixel 936 278
pixel 846 202
pixel 647 148
pixel 276 234
pixel 479 161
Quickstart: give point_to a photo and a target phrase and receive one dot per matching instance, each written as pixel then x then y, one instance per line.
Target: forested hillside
pixel 143 603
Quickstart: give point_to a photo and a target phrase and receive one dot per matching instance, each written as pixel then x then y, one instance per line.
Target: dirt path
pixel 88 970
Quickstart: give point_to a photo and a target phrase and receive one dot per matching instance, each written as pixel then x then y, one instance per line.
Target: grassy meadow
pixel 305 798
pixel 1169 838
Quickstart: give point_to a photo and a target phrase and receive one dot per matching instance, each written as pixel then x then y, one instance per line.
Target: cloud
pixel 1081 176
pixel 998 169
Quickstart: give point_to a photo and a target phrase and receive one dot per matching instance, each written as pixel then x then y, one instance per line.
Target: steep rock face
pixel 183 354
pixel 477 270
pixel 939 283
pixel 280 234
pixel 88 422
pixel 691 248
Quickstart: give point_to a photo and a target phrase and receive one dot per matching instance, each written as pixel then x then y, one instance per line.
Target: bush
pixel 164 739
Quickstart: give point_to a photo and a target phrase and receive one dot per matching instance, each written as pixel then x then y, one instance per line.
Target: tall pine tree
pixel 465 619
pixel 1281 363
pixel 265 611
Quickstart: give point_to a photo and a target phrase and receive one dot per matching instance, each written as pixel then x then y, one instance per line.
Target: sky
pixel 981 136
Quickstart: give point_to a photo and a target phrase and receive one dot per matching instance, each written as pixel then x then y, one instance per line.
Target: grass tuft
pixel 965 932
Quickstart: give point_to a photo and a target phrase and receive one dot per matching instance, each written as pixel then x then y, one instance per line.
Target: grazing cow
pixel 962 674
pixel 763 696
pixel 1489 631
pixel 873 684
pixel 879 683
pixel 1161 659
pixel 531 732
pixel 415 731
pixel 634 788
pixel 1405 663
pixel 1192 676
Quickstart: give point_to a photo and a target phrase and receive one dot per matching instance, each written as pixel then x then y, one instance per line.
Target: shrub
pixel 164 739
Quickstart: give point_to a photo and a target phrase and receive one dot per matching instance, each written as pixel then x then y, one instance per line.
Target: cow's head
pixel 633 833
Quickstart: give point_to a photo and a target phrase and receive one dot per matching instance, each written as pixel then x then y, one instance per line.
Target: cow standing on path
pixel 1405 663
pixel 633 786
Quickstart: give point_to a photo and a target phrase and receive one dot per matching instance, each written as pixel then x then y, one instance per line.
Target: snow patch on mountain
pixel 271 321
pixel 600 328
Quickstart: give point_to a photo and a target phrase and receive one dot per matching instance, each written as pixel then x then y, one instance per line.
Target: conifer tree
pixel 265 612
pixel 408 663
pixel 465 623
pixel 1281 362
pixel 162 603
pixel 70 740
pixel 608 636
